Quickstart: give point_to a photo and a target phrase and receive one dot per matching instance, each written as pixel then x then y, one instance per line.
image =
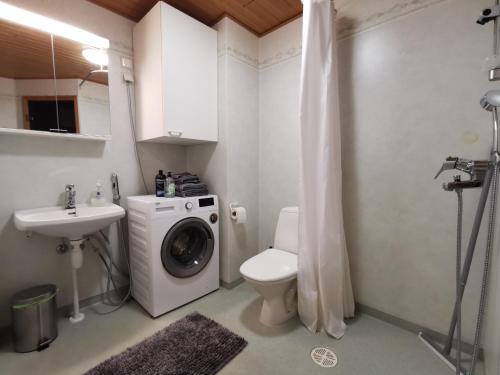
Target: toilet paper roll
pixel 239 214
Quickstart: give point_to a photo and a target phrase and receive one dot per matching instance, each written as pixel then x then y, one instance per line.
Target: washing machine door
pixel 187 247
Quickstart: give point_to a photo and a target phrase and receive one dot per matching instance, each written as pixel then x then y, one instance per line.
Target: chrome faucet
pixel 476 169
pixel 70 200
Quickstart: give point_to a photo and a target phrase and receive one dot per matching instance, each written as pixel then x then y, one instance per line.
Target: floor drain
pixel 324 357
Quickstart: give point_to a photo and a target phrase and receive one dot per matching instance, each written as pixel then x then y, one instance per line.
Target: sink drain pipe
pixel 76 247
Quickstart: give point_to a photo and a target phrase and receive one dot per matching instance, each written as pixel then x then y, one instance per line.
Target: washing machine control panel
pixel 189 206
pixel 206 202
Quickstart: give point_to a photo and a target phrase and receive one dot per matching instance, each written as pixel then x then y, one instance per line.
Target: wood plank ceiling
pixel 259 16
pixel 27 54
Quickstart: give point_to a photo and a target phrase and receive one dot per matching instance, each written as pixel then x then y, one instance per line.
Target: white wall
pixel 410 86
pixel 93 108
pixel 279 55
pixel 231 166
pixel 45 87
pixel 34 171
pixel 411 89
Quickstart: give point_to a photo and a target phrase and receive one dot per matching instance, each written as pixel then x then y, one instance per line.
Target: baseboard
pixel 412 327
pixel 63 311
pixel 67 309
pixel 233 284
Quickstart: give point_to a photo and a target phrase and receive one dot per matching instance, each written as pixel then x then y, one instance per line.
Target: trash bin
pixel 34 318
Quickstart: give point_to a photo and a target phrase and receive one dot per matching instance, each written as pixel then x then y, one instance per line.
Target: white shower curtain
pixel 324 284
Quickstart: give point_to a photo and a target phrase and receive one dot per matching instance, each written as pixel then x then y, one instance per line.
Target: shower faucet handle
pixel 476 169
pixel 453 162
pixel 450 163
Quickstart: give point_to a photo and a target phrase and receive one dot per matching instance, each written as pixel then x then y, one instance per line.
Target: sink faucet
pixel 70 200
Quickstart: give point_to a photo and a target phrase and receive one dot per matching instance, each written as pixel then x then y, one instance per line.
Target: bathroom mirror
pixel 26 70
pixel 82 88
pixel 52 85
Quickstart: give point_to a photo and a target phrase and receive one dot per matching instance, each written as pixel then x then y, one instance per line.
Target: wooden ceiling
pixel 26 54
pixel 259 16
pixel 71 64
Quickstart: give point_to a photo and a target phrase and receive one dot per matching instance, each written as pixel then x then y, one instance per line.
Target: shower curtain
pixel 324 285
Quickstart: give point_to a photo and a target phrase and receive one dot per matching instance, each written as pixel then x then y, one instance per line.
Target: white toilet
pixel 273 272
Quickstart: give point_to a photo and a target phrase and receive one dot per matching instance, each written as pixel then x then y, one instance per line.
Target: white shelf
pixel 42 134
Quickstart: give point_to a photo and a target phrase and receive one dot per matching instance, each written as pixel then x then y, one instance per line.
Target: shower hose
pixel 485 279
pixel 486 268
pixel 458 302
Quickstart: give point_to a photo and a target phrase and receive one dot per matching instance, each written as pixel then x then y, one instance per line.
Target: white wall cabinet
pixel 175 66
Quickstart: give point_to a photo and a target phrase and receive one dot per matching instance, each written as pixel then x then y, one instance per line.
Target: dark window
pixel 40 114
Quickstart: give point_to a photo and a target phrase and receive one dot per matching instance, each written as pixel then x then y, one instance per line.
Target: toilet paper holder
pixel 232 209
pixel 238 213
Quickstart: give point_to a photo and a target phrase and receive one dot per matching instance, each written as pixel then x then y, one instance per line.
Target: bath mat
pixel 193 345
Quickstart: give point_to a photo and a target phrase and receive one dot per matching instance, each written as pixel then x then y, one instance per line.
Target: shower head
pixel 491 100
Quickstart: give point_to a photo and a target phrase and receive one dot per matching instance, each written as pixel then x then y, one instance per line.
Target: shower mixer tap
pixel 489 14
pixel 476 169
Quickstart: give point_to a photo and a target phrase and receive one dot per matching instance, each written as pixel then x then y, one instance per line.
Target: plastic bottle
pixel 170 186
pixel 160 182
pixel 98 196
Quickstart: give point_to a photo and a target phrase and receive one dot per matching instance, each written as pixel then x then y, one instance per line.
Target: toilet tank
pixel 286 236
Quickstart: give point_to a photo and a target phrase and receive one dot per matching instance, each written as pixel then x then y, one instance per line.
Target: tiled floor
pixel 370 347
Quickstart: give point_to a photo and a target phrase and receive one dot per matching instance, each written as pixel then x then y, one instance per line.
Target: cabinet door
pixel 189 77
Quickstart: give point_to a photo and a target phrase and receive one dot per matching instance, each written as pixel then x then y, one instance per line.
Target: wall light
pixel 95 56
pixel 35 21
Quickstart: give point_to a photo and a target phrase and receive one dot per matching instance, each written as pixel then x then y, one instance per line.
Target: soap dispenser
pixel 170 192
pixel 98 196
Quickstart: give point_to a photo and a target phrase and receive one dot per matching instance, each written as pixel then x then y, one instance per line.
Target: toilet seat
pixel 270 266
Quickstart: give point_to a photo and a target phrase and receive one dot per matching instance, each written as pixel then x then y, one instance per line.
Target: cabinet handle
pixel 173 133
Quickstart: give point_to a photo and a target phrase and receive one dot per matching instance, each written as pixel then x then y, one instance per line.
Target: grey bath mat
pixel 193 345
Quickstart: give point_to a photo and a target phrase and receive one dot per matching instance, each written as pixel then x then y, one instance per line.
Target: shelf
pixel 42 134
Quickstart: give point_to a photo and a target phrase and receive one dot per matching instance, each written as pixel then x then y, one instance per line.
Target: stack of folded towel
pixel 188 185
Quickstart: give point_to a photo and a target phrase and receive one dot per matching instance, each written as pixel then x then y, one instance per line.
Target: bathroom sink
pixel 60 222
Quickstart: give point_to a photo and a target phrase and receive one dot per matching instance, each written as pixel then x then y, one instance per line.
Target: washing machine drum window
pixel 187 247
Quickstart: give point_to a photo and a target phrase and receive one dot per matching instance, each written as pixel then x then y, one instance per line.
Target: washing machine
pixel 174 250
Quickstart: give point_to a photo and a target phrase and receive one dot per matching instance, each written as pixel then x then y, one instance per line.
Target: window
pixel 39 113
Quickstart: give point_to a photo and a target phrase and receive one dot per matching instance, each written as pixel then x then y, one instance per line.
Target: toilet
pixel 273 272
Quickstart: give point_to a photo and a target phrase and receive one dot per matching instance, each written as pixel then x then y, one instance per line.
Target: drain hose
pixel 487 257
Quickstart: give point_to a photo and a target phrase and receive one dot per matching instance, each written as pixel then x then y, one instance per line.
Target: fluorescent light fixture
pixel 95 56
pixel 35 21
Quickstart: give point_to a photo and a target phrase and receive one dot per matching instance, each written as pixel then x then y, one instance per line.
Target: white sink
pixel 72 224
pixel 60 222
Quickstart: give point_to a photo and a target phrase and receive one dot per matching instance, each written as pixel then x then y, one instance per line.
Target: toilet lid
pixel 270 265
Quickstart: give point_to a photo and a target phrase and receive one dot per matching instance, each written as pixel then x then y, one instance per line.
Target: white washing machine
pixel 174 250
